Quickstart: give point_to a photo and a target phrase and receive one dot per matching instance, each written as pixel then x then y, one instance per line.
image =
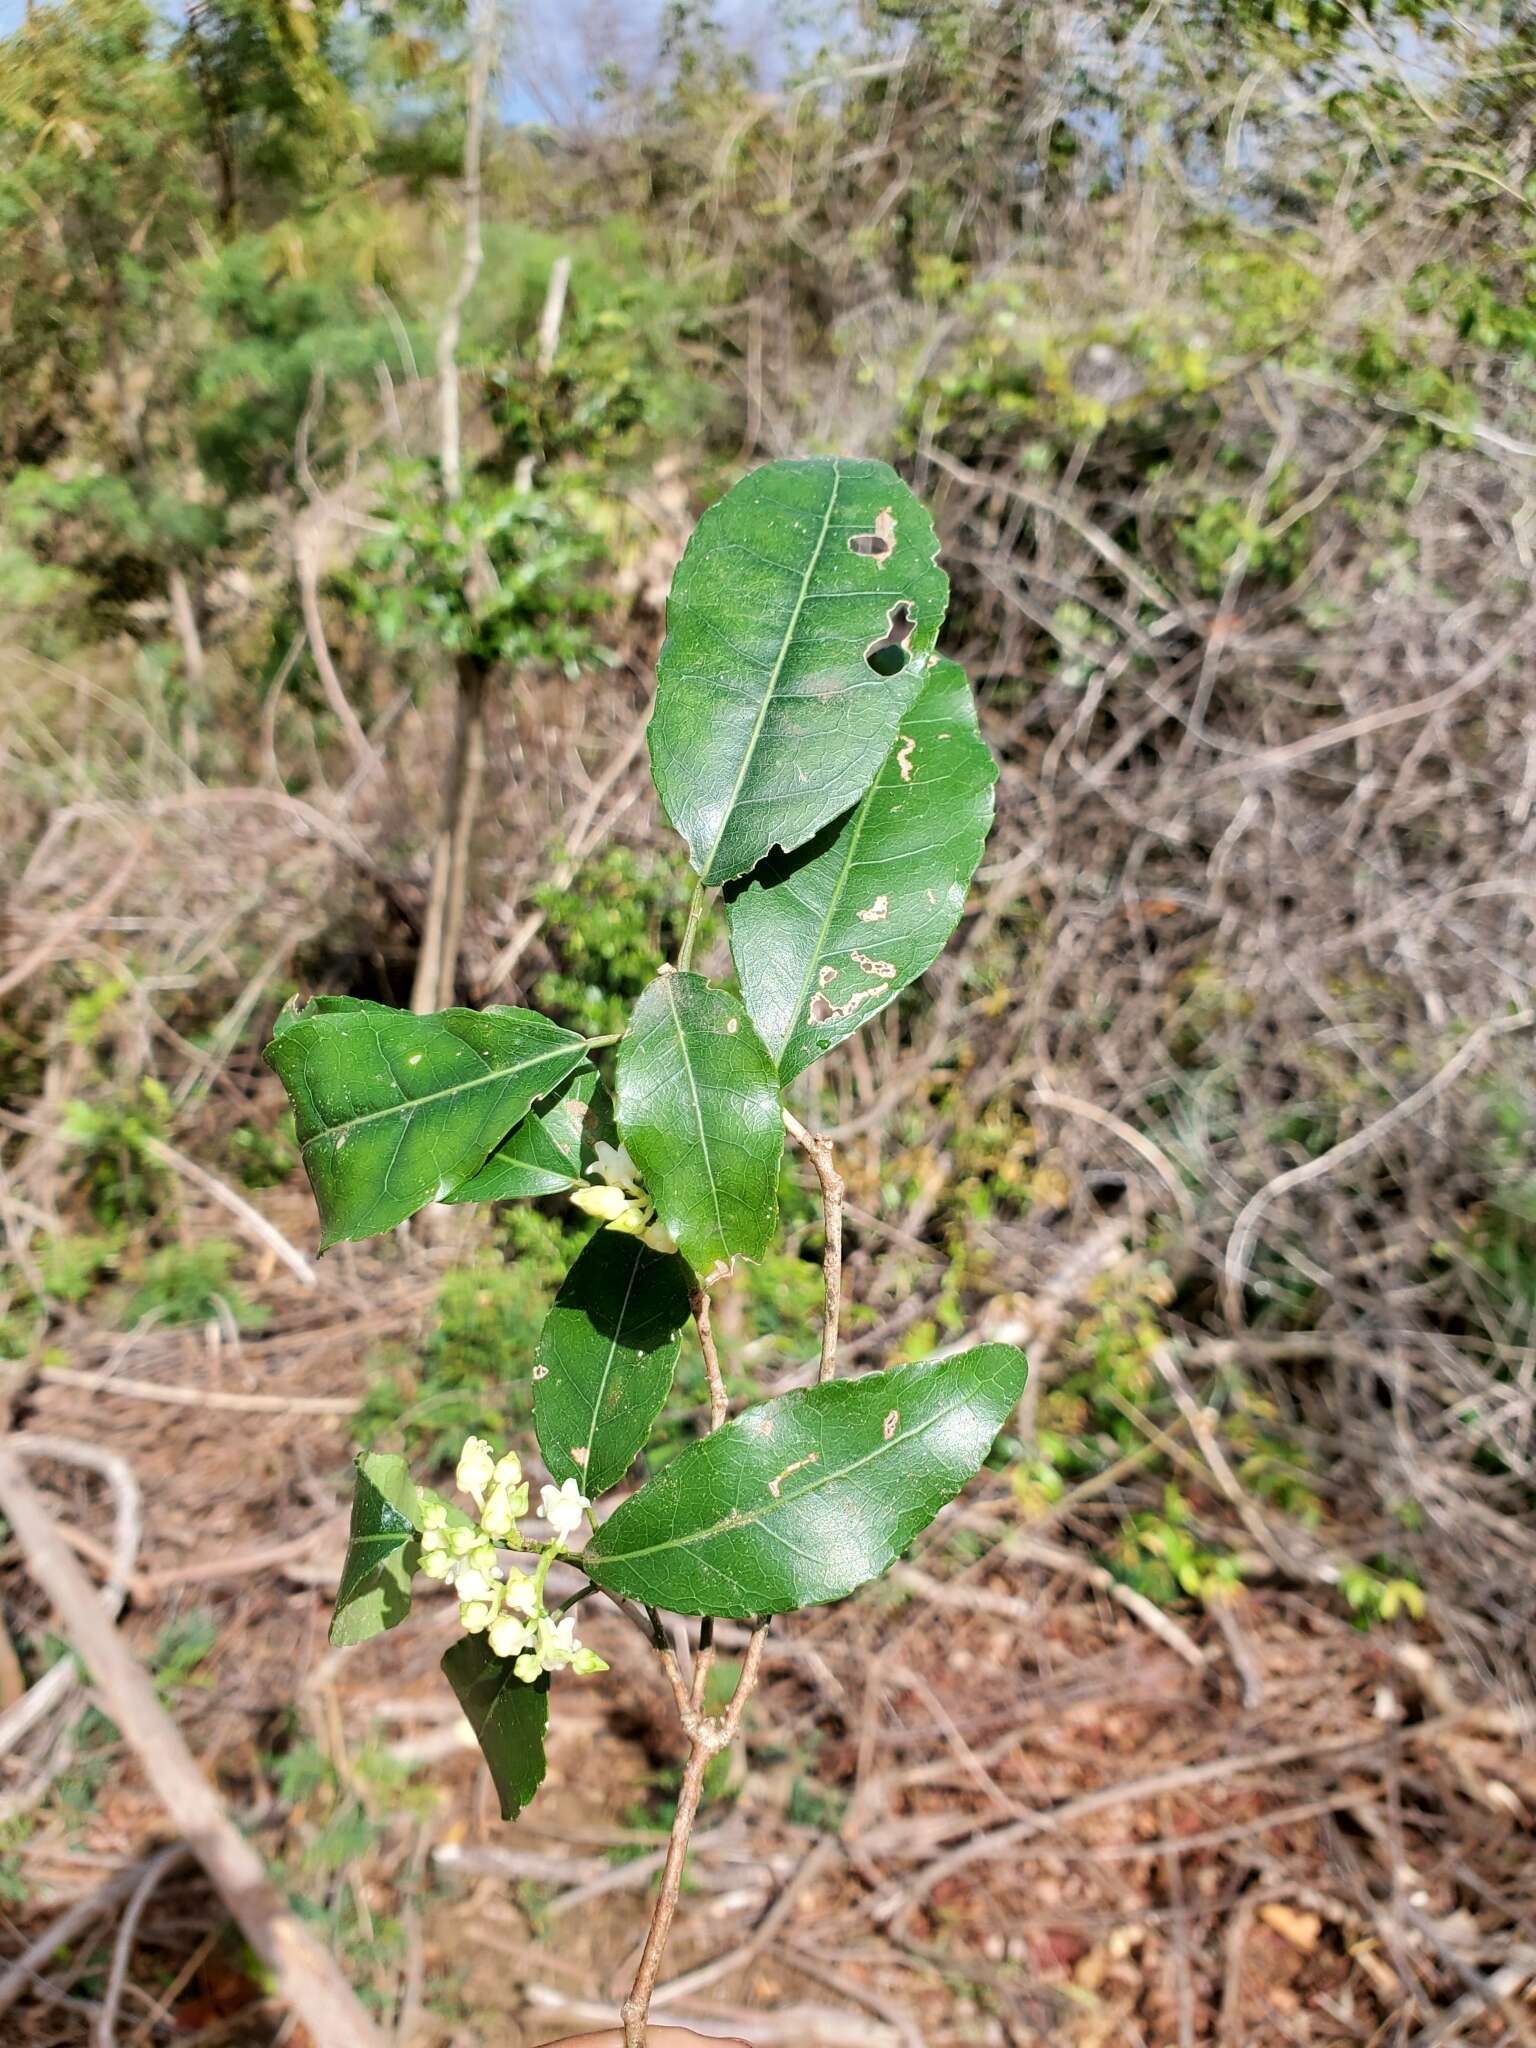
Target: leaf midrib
pixel 698 1116
pixel 771 688
pixel 373 1116
pixel 613 1352
pixel 816 1485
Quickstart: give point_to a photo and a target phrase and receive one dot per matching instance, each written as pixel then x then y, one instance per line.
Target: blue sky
pixel 557 47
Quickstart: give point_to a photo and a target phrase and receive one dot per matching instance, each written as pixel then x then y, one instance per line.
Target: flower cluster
pixel 621 1200
pixel 505 1606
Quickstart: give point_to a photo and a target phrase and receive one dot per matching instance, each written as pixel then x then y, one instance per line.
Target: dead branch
pixel 307 1977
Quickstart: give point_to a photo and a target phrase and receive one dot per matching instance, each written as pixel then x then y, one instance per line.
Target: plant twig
pixel 158 1868
pixel 256 1226
pixel 307 1977
pixel 718 1404
pixel 708 1734
pixel 820 1150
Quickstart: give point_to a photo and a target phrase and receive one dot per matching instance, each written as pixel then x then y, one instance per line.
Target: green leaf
pixel 806 1497
pixel 382 1551
pixel 509 1718
pixel 770 720
pixel 551 1149
pixel 607 1353
pixel 394 1111
pixel 825 937
pixel 698 1109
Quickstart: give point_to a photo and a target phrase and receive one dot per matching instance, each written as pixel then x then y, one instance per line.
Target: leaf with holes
pixel 509 1718
pixel 799 1501
pixel 394 1111
pixel 382 1551
pixel 698 1110
pixel 606 1357
pixel 551 1148
pixel 825 937
pixel 782 680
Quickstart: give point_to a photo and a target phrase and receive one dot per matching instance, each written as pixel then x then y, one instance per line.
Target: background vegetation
pixel 1209 330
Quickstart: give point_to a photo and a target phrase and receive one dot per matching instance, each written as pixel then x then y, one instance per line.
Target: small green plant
pixel 825 768
pixel 190 1283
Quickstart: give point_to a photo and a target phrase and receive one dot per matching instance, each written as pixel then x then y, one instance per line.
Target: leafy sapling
pixel 825 768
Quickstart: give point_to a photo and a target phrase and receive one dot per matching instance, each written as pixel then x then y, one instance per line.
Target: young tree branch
pixel 820 1150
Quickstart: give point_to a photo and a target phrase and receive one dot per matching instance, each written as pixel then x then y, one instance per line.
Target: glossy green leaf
pixel 825 937
pixel 382 1551
pixel 394 1111
pixel 770 718
pixel 698 1109
pixel 806 1497
pixel 509 1718
pixel 606 1357
pixel 551 1149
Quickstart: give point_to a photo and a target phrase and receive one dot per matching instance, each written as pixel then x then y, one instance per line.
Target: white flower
pixel 528 1667
pixel 476 1468
pixel 475 1616
pixel 520 1595
pixel 613 1164
pixel 509 1635
pixel 557 1642
pixel 621 1201
pixel 474 1585
pixel 434 1542
pixel 497 1517
pixel 563 1507
pixel 640 1220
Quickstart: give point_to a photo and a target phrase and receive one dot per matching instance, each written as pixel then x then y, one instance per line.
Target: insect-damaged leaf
pixel 382 1551
pixel 806 1497
pixel 394 1111
pixel 607 1354
pixel 698 1110
pixel 825 937
pixel 782 680
pixel 551 1149
pixel 508 1715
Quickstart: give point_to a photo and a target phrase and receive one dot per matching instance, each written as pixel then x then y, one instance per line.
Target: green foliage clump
pixel 473 1376
pixel 609 929
pixel 1159 1553
pixel 112 1154
pixel 191 1283
pixel 502 575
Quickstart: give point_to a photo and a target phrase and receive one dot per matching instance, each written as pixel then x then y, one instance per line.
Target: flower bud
pixel 475 1616
pixel 437 1564
pixel 509 1469
pixel 586 1662
pixel 603 1202
pixel 474 1585
pixel 528 1667
pixel 509 1635
pixel 496 1517
pixel 475 1467
pixel 519 1595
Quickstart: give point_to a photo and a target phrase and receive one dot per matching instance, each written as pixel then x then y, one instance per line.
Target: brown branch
pixel 306 1976
pixel 717 1399
pixel 820 1150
